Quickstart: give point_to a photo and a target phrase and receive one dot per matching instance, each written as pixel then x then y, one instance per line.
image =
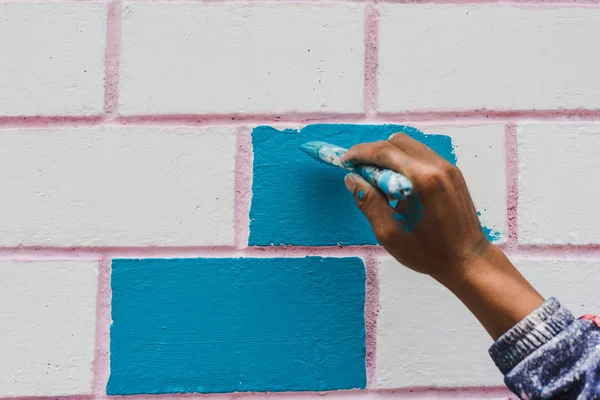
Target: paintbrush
pixel 396 186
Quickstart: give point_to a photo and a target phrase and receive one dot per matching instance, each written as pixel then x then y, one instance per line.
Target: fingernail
pixel 350 182
pixel 392 135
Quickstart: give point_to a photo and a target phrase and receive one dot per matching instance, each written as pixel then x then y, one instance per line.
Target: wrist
pixel 474 262
pixel 495 292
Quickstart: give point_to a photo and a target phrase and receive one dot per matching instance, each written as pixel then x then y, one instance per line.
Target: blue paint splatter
pixel 214 325
pixel 361 194
pixel 298 201
pixel 490 233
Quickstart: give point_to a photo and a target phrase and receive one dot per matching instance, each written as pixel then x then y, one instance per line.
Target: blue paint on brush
pixel 297 201
pixel 214 325
pixel 395 185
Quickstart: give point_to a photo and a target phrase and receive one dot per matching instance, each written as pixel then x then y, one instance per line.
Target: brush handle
pixel 396 186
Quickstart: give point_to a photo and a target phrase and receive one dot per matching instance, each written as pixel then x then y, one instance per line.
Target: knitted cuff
pixel 537 329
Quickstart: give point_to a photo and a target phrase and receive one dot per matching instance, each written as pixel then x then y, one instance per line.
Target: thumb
pixel 371 201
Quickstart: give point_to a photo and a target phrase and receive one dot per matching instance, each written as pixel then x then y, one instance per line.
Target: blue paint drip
pixel 297 201
pixel 216 325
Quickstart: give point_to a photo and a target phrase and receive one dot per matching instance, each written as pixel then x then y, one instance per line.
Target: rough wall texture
pixel 153 130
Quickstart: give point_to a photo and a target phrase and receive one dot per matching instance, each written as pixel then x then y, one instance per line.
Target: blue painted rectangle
pixel 216 325
pixel 299 201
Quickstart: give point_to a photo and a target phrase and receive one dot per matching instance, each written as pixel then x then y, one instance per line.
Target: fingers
pixel 371 202
pixel 410 146
pixel 382 154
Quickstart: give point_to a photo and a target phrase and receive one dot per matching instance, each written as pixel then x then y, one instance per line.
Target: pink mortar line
pixel 371 59
pixel 423 393
pixel 50 122
pixel 512 185
pixel 590 251
pixel 533 4
pixel 112 57
pixel 99 253
pixel 371 316
pixel 472 117
pixel 101 364
pixel 506 116
pixel 243 187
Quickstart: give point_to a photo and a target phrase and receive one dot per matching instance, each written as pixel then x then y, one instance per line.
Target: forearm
pixel 493 290
pixel 542 350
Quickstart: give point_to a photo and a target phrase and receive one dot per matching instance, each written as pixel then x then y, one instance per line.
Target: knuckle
pixel 448 169
pixel 385 153
pixel 380 146
pixel 434 178
pixel 397 137
pixel 430 179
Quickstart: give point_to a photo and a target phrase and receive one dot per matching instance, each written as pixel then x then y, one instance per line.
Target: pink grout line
pixel 49 122
pixel 571 252
pixel 511 146
pixel 472 117
pixel 101 366
pixel 371 316
pixel 113 53
pixel 229 119
pixel 68 397
pixel 506 116
pixel 371 58
pixel 536 3
pixel 424 393
pixel 99 253
pixel 243 187
pixel 533 4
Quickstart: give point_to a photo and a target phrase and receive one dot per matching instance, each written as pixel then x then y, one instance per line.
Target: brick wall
pixel 148 180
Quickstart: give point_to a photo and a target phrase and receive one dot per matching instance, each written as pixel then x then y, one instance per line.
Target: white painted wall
pixel 124 132
pixel 48 312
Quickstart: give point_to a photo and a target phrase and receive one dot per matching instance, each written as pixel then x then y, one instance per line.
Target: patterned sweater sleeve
pixel 551 355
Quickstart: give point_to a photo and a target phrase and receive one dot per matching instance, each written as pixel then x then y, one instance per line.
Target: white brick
pixel 462 57
pixel 48 314
pixel 117 187
pixel 52 58
pixel 427 337
pixel 558 190
pixel 481 157
pixel 573 282
pixel 190 58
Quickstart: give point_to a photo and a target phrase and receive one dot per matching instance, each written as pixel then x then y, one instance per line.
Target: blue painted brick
pixel 237 324
pixel 299 201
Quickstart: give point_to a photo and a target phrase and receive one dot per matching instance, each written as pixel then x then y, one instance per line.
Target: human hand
pixel 435 231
